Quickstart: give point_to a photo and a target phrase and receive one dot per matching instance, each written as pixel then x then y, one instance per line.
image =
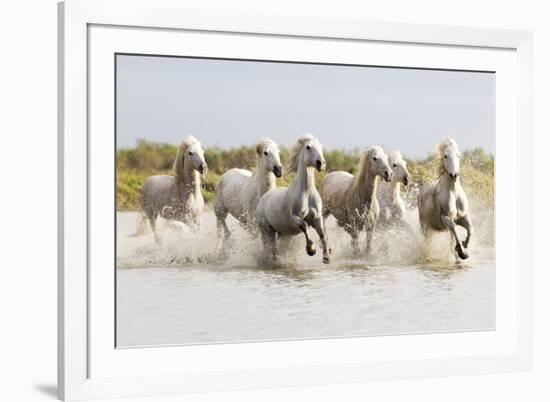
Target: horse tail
pixel 141 224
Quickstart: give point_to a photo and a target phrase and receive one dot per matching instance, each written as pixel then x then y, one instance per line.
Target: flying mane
pixel 395 155
pixel 262 144
pixel 363 166
pixel 447 142
pixel 179 162
pixel 295 151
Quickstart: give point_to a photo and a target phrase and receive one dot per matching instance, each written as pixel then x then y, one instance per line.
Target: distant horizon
pixel 234 103
pixel 434 151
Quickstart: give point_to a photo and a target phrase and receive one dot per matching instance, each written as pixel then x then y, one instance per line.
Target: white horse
pixel 178 197
pixel 442 204
pixel 352 200
pixel 287 211
pixel 239 190
pixel 392 206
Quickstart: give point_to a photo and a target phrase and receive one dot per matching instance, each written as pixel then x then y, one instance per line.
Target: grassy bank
pixel 146 159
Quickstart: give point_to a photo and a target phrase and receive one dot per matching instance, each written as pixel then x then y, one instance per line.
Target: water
pixel 166 296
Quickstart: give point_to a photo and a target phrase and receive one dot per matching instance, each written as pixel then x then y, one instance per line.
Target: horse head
pixel 269 155
pixel 399 168
pixel 190 157
pixel 449 158
pixel 312 151
pixel 377 161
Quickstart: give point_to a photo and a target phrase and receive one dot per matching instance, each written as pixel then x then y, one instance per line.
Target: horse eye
pixel 308 146
pixel 265 153
pixel 395 165
pixel 375 158
pixel 445 156
pixel 190 153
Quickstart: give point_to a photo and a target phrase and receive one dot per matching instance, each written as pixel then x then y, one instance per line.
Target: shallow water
pixel 166 296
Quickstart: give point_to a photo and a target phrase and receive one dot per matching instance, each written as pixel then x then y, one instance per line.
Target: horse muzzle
pixel 387 175
pixel 320 165
pixel 454 177
pixel 203 169
pixel 277 171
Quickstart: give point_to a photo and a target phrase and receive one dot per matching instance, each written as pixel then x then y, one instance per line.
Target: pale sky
pixel 230 103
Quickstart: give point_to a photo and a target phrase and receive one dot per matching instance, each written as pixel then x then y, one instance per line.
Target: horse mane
pixel 295 151
pixel 394 156
pixel 179 162
pixel 363 165
pixel 447 142
pixel 264 142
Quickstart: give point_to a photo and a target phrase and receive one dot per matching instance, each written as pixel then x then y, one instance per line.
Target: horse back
pixel 158 191
pixel 334 187
pixel 230 191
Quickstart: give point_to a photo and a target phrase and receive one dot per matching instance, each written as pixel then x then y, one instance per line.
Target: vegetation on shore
pixel 134 165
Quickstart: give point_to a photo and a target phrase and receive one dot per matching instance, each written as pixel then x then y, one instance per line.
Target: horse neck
pixel 263 180
pixel 446 183
pixel 189 182
pixel 304 180
pixel 395 191
pixel 365 185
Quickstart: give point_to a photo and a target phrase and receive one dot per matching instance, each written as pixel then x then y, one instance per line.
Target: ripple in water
pixel 177 293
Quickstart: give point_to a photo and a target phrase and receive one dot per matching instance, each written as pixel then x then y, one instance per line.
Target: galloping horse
pixel 442 204
pixel 239 190
pixel 392 207
pixel 352 200
pixel 178 197
pixel 287 211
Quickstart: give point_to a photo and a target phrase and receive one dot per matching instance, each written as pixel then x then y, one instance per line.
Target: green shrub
pixel 147 159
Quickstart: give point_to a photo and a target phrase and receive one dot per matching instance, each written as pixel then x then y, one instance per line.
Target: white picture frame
pixel 89 365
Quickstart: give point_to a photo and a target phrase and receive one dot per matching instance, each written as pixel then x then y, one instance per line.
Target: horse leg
pixel 152 216
pixel 354 233
pixel 453 249
pixel 140 224
pixel 302 225
pixel 466 224
pixel 319 226
pixel 452 228
pixel 221 227
pixel 370 227
pixel 269 240
pixel 325 214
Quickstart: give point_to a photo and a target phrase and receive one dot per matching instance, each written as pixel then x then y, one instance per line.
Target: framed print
pixel 260 201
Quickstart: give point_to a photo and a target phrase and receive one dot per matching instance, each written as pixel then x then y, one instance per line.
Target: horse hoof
pixel 326 260
pixel 310 249
pixel 461 253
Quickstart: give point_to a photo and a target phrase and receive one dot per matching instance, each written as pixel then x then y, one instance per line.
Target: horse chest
pixel 449 205
pixel 300 207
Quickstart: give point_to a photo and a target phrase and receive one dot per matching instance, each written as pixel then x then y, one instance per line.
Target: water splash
pixel 180 246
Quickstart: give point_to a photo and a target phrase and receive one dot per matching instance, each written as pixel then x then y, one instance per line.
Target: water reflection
pixel 169 294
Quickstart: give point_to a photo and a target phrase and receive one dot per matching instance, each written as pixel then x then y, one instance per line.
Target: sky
pixel 229 103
